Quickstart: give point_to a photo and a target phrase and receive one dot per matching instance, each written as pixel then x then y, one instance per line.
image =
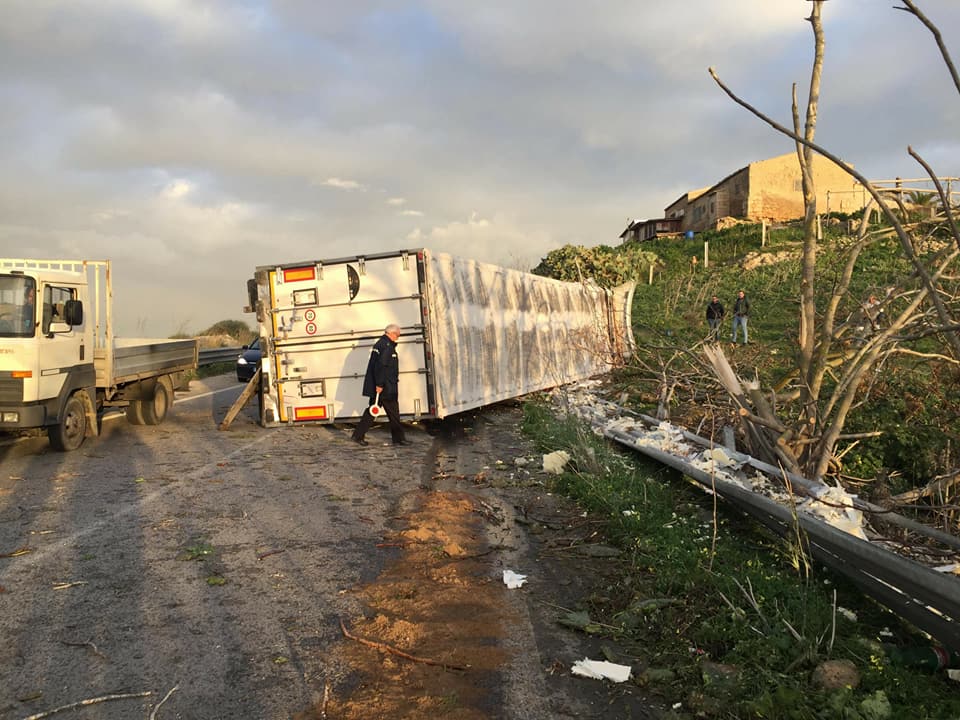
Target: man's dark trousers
pixel 392 407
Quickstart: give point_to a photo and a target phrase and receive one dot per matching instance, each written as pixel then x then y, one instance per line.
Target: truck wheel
pixel 68 434
pixel 135 412
pixel 155 410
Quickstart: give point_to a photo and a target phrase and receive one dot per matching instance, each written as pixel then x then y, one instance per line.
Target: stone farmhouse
pixel 764 190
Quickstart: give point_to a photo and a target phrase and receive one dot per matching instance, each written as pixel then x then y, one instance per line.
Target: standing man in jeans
pixel 741 310
pixel 383 379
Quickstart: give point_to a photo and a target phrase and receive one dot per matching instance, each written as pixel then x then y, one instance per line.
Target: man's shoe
pixel 402 442
pixel 360 441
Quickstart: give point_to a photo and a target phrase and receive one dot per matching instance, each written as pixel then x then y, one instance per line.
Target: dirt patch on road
pixel 441 635
pixel 434 622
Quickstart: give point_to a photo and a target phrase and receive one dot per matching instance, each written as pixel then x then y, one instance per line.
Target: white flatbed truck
pixel 61 366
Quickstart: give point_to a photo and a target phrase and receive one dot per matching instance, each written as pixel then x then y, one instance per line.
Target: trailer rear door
pixel 325 318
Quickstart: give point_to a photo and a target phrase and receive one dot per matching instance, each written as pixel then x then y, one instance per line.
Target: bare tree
pixel 807 442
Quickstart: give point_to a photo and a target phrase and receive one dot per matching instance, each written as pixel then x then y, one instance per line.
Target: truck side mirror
pixel 73 312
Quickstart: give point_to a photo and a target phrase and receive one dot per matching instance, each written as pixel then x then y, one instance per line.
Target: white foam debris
pixel 831 504
pixel 834 505
pixel 720 457
pixel 621 424
pixel 555 462
pixel 513 580
pixel 848 614
pixel 601 670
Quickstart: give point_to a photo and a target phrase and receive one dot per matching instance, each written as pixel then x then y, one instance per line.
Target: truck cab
pixel 60 364
pixel 45 349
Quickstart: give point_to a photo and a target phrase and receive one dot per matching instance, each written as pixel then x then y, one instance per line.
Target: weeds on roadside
pixel 708 589
pixel 198 550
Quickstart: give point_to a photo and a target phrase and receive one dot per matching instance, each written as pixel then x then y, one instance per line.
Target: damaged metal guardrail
pixel 218 355
pixel 921 595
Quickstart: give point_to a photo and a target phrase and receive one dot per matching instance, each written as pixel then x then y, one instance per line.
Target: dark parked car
pixel 248 361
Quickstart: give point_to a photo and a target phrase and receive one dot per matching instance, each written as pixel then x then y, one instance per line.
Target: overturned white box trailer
pixel 472 333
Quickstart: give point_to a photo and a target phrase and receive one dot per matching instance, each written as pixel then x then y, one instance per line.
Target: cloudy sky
pixel 190 141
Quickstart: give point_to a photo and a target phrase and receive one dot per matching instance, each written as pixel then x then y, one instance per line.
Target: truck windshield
pixel 18 306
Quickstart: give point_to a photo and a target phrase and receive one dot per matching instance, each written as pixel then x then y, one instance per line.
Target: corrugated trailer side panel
pixel 497 333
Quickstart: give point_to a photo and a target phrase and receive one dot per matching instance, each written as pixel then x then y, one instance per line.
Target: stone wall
pixel 772 190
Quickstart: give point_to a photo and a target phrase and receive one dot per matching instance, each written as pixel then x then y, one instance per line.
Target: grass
pixel 221 368
pixel 198 550
pixel 728 592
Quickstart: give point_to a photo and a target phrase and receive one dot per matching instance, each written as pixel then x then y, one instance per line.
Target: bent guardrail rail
pixel 921 595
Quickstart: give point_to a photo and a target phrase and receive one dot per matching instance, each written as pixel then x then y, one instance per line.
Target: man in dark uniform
pixel 715 314
pixel 383 378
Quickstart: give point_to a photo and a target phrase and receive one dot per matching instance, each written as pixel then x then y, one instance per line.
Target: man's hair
pixel 391 328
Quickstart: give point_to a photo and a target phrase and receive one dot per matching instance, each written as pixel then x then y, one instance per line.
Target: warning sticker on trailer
pixel 311 328
pixel 310 315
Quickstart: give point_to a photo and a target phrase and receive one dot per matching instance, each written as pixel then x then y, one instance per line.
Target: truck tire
pixel 135 412
pixel 154 410
pixel 69 432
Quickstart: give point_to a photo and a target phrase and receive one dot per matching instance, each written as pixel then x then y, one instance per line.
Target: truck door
pixel 62 354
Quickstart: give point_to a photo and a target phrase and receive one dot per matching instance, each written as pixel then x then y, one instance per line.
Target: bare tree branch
pixel 947 205
pixel 912 8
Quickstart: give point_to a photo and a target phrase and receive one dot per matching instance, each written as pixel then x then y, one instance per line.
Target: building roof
pixel 689 196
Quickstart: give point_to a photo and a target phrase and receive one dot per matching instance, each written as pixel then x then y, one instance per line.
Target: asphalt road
pixel 212 569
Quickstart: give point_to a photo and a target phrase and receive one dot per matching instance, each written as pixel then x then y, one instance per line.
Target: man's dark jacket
pixel 383 370
pixel 741 307
pixel 715 310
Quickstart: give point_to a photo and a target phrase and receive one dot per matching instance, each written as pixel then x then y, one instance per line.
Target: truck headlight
pixel 11 417
pixel 241 361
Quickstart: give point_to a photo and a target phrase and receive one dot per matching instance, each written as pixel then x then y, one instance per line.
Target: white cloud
pixel 493 239
pixel 342 184
pixel 412 213
pixel 177 189
pixel 535 36
pixel 396 201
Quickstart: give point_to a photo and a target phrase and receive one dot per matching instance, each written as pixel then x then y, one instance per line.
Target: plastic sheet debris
pixel 601 670
pixel 555 462
pixel 513 580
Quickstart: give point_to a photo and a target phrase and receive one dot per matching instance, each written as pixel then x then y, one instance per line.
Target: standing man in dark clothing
pixel 383 378
pixel 715 313
pixel 741 310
